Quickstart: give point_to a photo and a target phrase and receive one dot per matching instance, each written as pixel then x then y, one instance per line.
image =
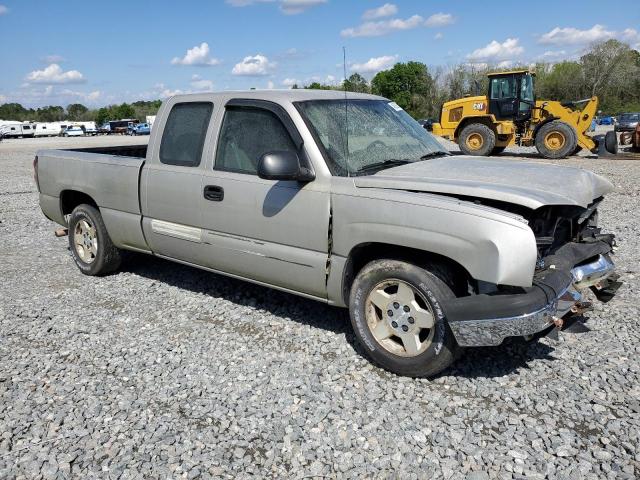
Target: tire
pixel 90 244
pixel 611 142
pixel 435 348
pixel 497 150
pixel 556 139
pixel 477 139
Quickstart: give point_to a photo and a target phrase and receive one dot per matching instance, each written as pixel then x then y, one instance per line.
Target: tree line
pixel 610 70
pixel 79 112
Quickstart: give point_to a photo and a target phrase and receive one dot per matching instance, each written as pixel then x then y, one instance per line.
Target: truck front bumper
pixel 485 320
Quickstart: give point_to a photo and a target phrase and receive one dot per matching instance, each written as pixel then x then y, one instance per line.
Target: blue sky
pixel 99 53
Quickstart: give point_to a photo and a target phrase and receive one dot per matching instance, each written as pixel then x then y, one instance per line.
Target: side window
pixel 246 135
pixel 184 134
pixel 503 87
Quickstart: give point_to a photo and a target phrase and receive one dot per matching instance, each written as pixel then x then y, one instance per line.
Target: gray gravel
pixel 163 371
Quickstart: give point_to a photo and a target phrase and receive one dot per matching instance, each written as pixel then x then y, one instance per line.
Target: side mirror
pixel 283 165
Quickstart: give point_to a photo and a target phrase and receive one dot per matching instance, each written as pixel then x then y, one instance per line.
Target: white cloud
pixel 631 36
pixel 288 7
pixel 253 66
pixel 597 33
pixel 3 99
pixel 270 85
pixel 374 64
pixel 166 93
pixel 552 55
pixel 93 96
pixel 54 74
pixel 290 82
pixel 294 7
pixel 574 36
pixel 438 36
pixel 53 59
pixel 3 10
pixel 200 84
pixel 439 20
pixel 386 10
pixel 383 27
pixel 496 51
pixel 197 56
pixel 505 64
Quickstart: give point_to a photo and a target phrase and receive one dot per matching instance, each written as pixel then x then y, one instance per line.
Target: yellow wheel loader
pixel 511 115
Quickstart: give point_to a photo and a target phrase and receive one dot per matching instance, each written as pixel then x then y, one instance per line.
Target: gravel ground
pixel 164 371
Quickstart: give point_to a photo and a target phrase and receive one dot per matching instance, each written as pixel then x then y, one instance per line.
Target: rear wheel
pixel 397 315
pixel 91 247
pixel 477 139
pixel 556 139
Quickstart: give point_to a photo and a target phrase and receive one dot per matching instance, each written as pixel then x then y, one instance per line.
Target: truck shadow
pixel 487 362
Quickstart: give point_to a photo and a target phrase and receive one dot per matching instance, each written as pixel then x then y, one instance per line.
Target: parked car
pixel 140 129
pixel 627 122
pixel 427 124
pixel 430 253
pixel 605 120
pixel 72 131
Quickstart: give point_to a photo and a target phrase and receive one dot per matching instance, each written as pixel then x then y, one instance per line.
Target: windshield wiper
pixel 435 154
pixel 381 165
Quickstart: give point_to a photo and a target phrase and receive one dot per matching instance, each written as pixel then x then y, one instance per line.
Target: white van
pixel 73 131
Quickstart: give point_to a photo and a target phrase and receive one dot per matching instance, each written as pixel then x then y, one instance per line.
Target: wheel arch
pixel 483 119
pixel 70 199
pixel 450 271
pixel 537 128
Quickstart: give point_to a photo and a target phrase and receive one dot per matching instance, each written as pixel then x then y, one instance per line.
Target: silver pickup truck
pixel 348 201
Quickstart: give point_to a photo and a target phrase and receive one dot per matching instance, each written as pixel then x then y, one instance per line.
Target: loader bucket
pixel 607 145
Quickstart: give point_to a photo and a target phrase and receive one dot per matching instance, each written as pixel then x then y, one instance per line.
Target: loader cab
pixel 511 95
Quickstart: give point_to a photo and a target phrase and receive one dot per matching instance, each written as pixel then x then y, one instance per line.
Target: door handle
pixel 213 193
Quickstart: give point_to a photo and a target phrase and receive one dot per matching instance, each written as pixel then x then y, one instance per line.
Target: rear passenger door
pixel 274 232
pixel 171 180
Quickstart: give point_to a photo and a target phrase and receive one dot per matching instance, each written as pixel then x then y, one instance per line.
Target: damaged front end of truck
pixel 574 256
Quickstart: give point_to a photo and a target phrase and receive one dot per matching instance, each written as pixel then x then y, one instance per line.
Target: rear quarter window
pixel 184 134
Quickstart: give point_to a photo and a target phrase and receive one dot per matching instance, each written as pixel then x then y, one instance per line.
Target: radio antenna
pixel 346 110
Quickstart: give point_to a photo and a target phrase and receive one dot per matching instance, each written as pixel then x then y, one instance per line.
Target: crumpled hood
pixel 529 184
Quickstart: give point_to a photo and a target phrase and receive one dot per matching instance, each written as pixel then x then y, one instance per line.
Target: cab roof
pixel 290 95
pixel 510 72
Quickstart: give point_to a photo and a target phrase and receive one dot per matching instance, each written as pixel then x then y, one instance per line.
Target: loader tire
pixel 611 142
pixel 556 139
pixel 477 139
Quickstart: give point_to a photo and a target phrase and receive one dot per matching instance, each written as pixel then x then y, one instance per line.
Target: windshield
pixel 630 117
pixel 379 133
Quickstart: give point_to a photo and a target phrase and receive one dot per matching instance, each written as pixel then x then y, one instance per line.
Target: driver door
pixel 503 97
pixel 273 232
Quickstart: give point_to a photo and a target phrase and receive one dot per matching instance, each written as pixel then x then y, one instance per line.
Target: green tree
pixel 409 85
pixel 102 116
pixel 356 83
pixel 76 111
pixel 122 111
pixel 13 111
pixel 318 86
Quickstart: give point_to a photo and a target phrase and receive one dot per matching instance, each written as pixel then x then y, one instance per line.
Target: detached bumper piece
pixel 486 320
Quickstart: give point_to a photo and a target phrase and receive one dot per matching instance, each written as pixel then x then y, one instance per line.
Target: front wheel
pixel 90 244
pixel 556 139
pixel 397 315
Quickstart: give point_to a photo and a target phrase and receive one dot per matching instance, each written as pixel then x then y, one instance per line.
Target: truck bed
pixel 136 151
pixel 108 175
